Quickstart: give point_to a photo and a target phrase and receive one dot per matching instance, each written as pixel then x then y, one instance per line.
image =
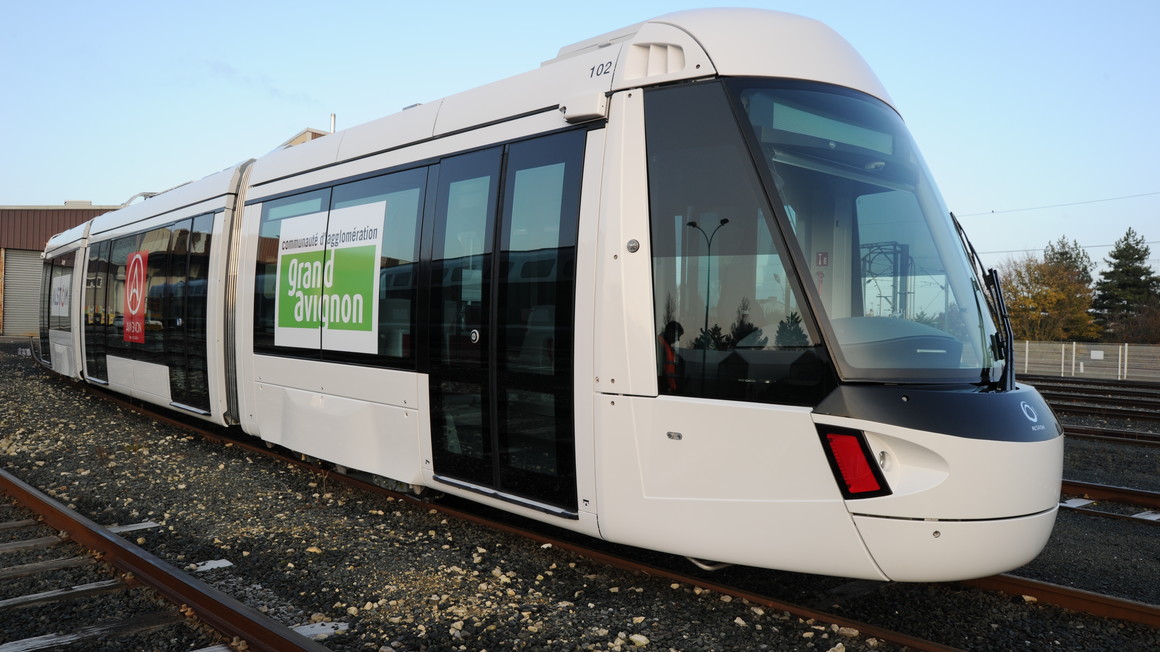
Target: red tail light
pixel 853 464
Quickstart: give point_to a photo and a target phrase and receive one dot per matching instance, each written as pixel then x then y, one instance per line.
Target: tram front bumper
pixel 942 551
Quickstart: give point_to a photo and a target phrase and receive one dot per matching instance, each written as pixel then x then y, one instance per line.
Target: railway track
pixel 1121 387
pixel 1113 435
pixel 1086 496
pixel 1071 598
pixel 1032 590
pixel 1120 399
pixel 1043 592
pixel 1102 410
pixel 503 523
pixel 129 567
pixel 837 622
pixel 814 611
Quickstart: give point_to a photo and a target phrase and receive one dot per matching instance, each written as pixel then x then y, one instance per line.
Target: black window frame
pixel 797 373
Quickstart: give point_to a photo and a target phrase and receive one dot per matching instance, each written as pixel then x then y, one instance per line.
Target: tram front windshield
pixel 883 257
pixel 772 201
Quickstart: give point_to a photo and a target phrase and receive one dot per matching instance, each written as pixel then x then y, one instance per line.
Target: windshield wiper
pixel 1008 378
pixel 998 306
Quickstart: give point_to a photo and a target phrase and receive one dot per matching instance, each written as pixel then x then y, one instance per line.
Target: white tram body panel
pixel 149 380
pixel 153 226
pixel 507 295
pixel 362 418
pixel 673 477
pixel 64 344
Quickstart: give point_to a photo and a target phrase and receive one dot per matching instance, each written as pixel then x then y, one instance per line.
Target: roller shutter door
pixel 22 271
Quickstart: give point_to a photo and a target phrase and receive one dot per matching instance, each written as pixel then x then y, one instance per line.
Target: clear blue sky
pixel 1016 104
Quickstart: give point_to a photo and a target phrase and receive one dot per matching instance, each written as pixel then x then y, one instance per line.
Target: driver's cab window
pixel 728 319
pixel 874 237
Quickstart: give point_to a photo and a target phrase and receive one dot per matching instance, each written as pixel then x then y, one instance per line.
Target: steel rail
pixel 1140 497
pixel 1100 411
pixel 1099 398
pixel 1103 398
pixel 622 563
pixel 603 558
pixel 1087 511
pixel 1112 435
pixel 216 609
pixel 1067 597
pixel 1080 381
pixel 586 552
pixel 1054 594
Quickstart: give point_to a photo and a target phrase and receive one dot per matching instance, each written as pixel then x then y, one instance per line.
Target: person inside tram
pixel 668 356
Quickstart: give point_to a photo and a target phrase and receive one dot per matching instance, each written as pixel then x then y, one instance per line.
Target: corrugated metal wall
pixel 22 271
pixel 30 227
pixel 24 230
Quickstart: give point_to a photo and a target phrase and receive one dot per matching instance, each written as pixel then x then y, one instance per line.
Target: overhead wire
pixel 1064 205
pixel 1034 249
pixel 1074 203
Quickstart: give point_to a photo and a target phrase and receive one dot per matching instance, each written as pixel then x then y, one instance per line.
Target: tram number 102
pixel 600 70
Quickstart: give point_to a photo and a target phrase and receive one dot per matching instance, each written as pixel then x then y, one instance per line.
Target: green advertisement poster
pixel 328 279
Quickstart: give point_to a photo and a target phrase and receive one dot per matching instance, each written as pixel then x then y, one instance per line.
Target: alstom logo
pixel 1029 412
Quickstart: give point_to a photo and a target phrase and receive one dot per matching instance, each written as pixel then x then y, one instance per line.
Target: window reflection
pixel 727 317
pixel 174 316
pixel 878 244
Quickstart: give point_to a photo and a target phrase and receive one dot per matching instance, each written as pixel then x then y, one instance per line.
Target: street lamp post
pixel 708 268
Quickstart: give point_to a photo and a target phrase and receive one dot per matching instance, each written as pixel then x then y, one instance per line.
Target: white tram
pixel 687 286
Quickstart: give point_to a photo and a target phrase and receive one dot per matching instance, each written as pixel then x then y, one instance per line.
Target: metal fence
pixel 1088 360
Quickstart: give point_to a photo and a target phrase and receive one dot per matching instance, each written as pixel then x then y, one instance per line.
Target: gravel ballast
pixel 403 577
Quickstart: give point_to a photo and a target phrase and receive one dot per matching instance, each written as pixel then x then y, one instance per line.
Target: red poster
pixel 135 296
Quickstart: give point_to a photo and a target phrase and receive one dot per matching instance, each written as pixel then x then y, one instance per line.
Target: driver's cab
pixel 796 230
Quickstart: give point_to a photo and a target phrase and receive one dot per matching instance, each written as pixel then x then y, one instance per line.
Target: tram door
pixel 502 298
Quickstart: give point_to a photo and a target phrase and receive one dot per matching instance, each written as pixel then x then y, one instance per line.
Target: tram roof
pixel 678 46
pixel 683 45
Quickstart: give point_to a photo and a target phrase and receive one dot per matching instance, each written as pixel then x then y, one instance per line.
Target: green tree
pixel 1071 257
pixel 1051 299
pixel 1126 289
pixel 1144 327
pixel 742 328
pixel 790 332
pixel 714 340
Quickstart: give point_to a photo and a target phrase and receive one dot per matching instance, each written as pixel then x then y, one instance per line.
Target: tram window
pixel 157 318
pixel 345 261
pixel 537 253
pixel 43 309
pixel 59 271
pixel 122 248
pixel 98 318
pixel 55 299
pixel 461 274
pixel 306 215
pixel 535 318
pixel 883 257
pixel 728 320
pixel 185 327
pixel 395 202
